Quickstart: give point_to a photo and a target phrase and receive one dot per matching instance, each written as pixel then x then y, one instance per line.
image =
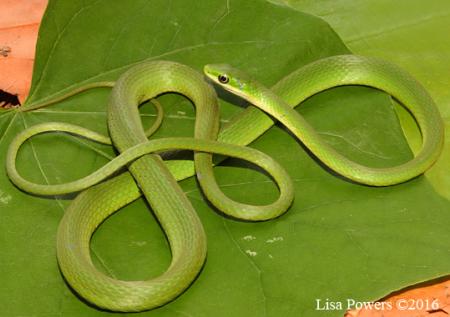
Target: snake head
pixel 230 78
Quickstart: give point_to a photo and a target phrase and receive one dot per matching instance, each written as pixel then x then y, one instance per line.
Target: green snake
pixel 156 179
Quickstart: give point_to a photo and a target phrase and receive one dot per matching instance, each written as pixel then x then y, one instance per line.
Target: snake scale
pixel 147 174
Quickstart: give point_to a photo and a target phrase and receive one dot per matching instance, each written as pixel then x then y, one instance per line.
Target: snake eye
pixel 223 79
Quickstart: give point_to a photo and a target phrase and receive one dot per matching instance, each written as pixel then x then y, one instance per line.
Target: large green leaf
pixel 338 241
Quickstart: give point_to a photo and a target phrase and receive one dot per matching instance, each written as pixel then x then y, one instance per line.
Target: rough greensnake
pixel 101 194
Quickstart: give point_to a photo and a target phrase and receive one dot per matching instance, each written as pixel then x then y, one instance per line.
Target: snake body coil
pixel 156 180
